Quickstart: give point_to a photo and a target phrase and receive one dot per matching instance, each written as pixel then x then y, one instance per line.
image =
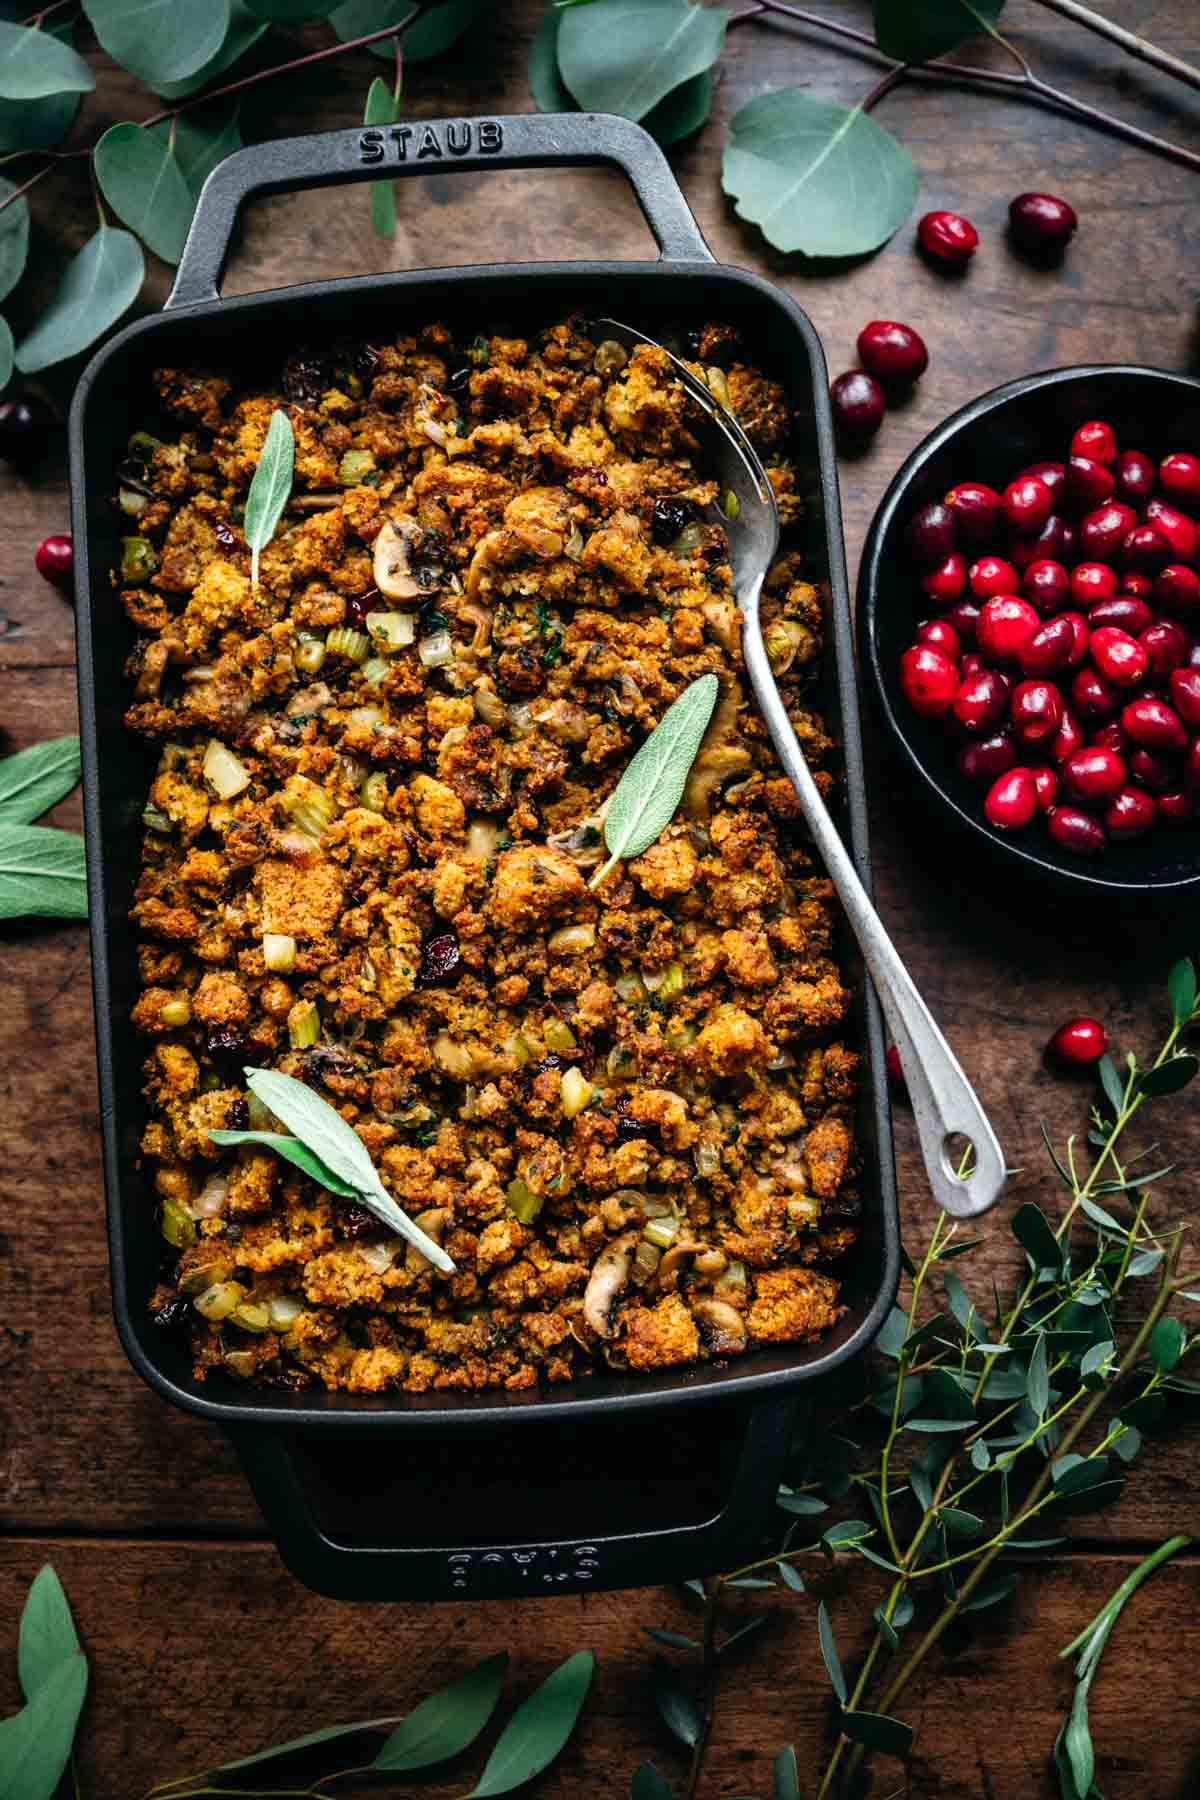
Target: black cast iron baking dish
pixel 432 1495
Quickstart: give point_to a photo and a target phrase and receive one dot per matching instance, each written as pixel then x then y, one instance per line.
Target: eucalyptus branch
pixel 1129 41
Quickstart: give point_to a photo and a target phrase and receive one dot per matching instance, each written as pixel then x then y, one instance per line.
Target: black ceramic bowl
pixel 990 440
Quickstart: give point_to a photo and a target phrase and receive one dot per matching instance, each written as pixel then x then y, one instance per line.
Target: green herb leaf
pixel 36 1742
pixel 1077 1741
pixel 1037 1380
pixel 890 1341
pixel 1166 1344
pixel 648 1784
pixel 47 1634
pixel 34 780
pixel 992 1593
pixel 199 148
pixel 159 40
pixel 1098 1216
pixel 829 1655
pixel 141 179
pixel 1181 989
pixel 683 111
pixel 673 1640
pixel 14 238
pixel 42 873
pixel 309 1741
pixel 35 64
pixel 792 1577
pixel 787 1775
pixel 549 91
pixel 270 488
pixel 960 1306
pixel 436 31
pixel 1111 1083
pixel 643 802
pixel 878 1732
pixel 676 1709
pixel 381 110
pixel 243 33
pixel 341 1150
pixel 960 1523
pixel 1169 1077
pixel 816 177
pixel 447 1722
pixel 801 1504
pixel 538 1729
pixel 293 1151
pixel 1031 1228
pixel 100 283
pixel 846 1534
pixel 916 34
pixel 624 56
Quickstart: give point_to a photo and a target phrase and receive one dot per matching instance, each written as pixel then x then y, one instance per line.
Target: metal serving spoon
pixel 944 1103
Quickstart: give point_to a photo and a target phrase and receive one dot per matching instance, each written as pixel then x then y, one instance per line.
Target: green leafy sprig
pixel 645 799
pixel 270 488
pixel 41 870
pixel 35 1743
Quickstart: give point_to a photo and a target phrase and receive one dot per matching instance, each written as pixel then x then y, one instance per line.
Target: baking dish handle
pixel 523 141
pixel 647 1557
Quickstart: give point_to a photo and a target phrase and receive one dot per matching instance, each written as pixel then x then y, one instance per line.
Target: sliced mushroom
pixel 721 754
pixel 609 1275
pixel 673 1263
pixel 721 1326
pixel 394 561
pixel 433 1223
pixel 481 618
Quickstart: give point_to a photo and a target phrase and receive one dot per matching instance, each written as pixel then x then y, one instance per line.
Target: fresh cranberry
pixel 970 662
pixel 1179 475
pixel 1089 483
pixel 54 560
pixel 1005 622
pixel 991 575
pixel 976 508
pixel 1192 659
pixel 1191 766
pixel 1041 224
pixel 948 238
pixel 1078 1043
pixel 1092 581
pixel 1047 585
pixel 1145 550
pixel 1166 646
pixel 931 535
pixel 1048 543
pixel 1097 439
pixel 947 582
pixel 1185 695
pixel 1083 633
pixel 1178 588
pixel 1151 771
pixel 1027 504
pixel 441 960
pixel 858 406
pixel 1070 544
pixel 895 1071
pixel 1179 531
pixel 1094 776
pixel 1153 724
pixel 964 617
pixel 892 351
pixel 940 636
pixel 1011 800
pixel 1075 831
pixel 1068 739
pixel 1049 649
pixel 1118 656
pixel 981 701
pixel 1130 815
pixel 1109 737
pixel 1101 532
pixel 981 762
pixel 1052 473
pixel 929 681
pixel 1092 696
pixel 1037 709
pixel 1135 477
pixel 1046 783
pixel 1123 610
pixel 1177 806
pixel 1140 586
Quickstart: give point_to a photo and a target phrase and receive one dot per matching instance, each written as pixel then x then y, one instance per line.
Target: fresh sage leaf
pixel 1037 1380
pixel 36 1742
pixel 916 34
pixel 14 238
pixel 42 873
pixel 1181 989
pixel 787 1775
pixel 676 1708
pixel 992 1593
pixel 199 148
pixel 142 181
pixel 538 1729
pixel 447 1722
pixel 648 1784
pixel 159 40
pixel 342 1152
pixel 100 284
pixel 1031 1228
pixel 625 56
pixel 1169 1077
pixel 1166 1344
pixel 1111 1084
pixel 35 64
pixel 643 802
pixel 878 1732
pixel 829 1654
pixel 34 780
pixel 243 33
pixel 47 1632
pixel 293 1151
pixel 270 488
pixel 815 177
pixel 381 110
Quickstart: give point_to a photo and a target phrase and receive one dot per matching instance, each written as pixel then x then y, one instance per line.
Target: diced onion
pixel 575 1093
pixel 377 1257
pixel 521 719
pixel 490 707
pixel 218 1301
pixel 284 1310
pixel 559 1037
pixel 707 1158
pixel 433 431
pixel 523 1203
pixel 572 940
pixel 252 1315
pixel 436 650
pixel 279 952
pixel 734 1277
pixel 210 1201
pixel 366 717
pixel 661 1233
pixel 223 772
pixel 374 670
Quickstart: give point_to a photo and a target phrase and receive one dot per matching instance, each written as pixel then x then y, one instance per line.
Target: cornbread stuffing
pixel 380 782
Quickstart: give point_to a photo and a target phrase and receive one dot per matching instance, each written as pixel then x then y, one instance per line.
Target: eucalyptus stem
pixel 708 1704
pixel 1129 41
pixel 1130 1585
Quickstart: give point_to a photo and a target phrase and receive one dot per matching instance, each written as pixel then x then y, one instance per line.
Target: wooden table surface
pixel 201 1645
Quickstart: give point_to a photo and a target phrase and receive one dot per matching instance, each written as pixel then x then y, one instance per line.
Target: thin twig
pixel 708 1704
pixel 1129 41
pixel 883 86
pixel 39 18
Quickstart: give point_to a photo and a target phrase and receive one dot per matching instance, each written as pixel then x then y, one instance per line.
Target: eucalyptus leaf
pixel 886 1629
pixel 1166 1344
pixel 890 1341
pixel 960 1523
pixel 878 1732
pixel 36 124
pixel 36 1742
pixel 42 873
pixel 960 1305
pixel 47 1632
pixel 1037 1380
pixel 917 33
pixel 311 1739
pixel 1031 1228
pixel 293 1151
pixel 676 1708
pixel 35 64
pixel 992 1593
pixel 946 1395
pixel 1181 989
pixel 625 56
pixel 7 354
pixel 447 1722
pixel 792 1577
pixel 14 238
pixel 846 1533
pixel 241 35
pixel 538 1729
pixel 1144 1263
pixel 1111 1084
pixel 1127 1443
pixel 801 1504
pixel 270 488
pixel 829 1654
pixel 1077 1740
pixel 644 801
pixel 381 110
pixel 142 181
pixel 550 93
pixel 199 147
pixel 682 111
pixel 673 1640
pixel 1169 1077
pixel 816 177
pixel 437 30
pixel 648 1784
pixel 288 12
pixel 1144 1410
pixel 787 1775
pixel 159 40
pixel 100 284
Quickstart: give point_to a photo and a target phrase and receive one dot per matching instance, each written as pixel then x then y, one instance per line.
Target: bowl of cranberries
pixel 1029 614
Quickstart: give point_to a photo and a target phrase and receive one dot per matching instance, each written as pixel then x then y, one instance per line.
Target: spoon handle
pixel 943 1100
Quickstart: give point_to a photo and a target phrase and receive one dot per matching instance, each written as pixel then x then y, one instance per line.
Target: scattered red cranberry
pixel 948 238
pixel 54 560
pixel 1125 611
pixel 1134 476
pixel 1012 800
pixel 1179 476
pixel 892 351
pixel 991 575
pixel 895 1069
pixel 1046 783
pixel 858 406
pixel 976 509
pixel 1078 1043
pixel 1041 223
pixel 1177 588
pixel 929 680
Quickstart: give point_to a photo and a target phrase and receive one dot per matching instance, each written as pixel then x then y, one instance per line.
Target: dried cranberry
pixel 358 608
pixel 227 1046
pixel 237 1115
pixel 668 519
pixel 225 535
pixel 304 379
pixel 628 1127
pixel 174 1317
pixel 355 1220
pixel 441 960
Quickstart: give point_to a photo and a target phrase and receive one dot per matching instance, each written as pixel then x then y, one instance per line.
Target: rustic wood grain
pixel 84 1448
